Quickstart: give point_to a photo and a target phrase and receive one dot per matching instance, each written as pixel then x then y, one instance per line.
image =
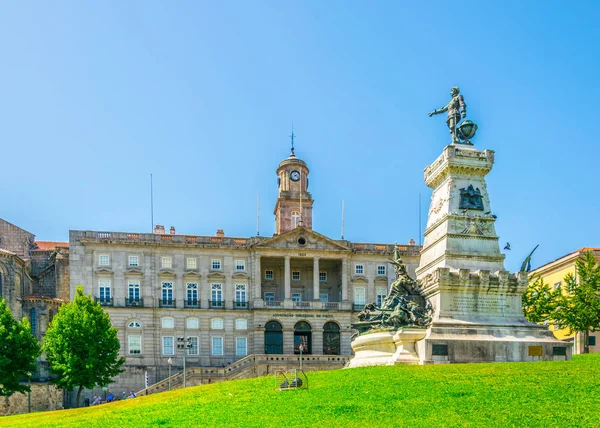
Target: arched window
pixel 331 339
pixel 303 337
pixel 33 318
pixel 168 322
pixel 295 219
pixel 134 324
pixel 273 338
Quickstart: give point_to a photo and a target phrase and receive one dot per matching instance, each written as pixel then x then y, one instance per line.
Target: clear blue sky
pixel 95 96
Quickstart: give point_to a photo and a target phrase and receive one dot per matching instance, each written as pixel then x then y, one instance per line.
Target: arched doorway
pixel 273 338
pixel 331 339
pixel 303 336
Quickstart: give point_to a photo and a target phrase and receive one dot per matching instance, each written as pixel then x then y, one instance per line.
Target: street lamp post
pixel 185 344
pixel 170 362
pixel 29 394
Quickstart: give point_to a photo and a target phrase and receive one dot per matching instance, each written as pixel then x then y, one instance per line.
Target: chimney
pixel 411 242
pixel 159 229
pixel 220 233
pixel 172 231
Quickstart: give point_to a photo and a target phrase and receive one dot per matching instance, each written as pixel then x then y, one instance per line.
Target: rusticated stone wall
pixel 43 397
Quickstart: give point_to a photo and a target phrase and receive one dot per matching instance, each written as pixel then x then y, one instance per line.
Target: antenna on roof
pixel 342 219
pixel 151 205
pixel 258 216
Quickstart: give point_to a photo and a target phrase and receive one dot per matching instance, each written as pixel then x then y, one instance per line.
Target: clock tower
pixel 294 203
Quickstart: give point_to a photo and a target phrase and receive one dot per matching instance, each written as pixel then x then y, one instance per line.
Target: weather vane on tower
pixel 292 138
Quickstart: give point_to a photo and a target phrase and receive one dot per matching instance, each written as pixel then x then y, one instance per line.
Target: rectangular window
pixel 104 260
pixel 556 285
pixel 168 322
pixel 381 293
pixel 296 275
pixel 591 340
pixel 166 262
pixel 241 324
pixel 134 344
pixel 134 261
pixel 322 276
pixel 240 293
pixel 191 263
pixel 134 290
pixel 269 296
pixel 195 349
pixel 192 323
pixel 192 293
pixel 217 346
pixel 217 324
pixel 381 270
pixel 167 292
pixel 167 345
pixel 215 264
pixel 359 296
pixel 240 265
pixel 324 297
pixel 216 292
pixel 241 346
pixel 359 269
pixel 268 274
pixel 296 297
pixel 104 289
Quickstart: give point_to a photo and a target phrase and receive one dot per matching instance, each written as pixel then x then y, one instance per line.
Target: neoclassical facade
pixel 230 297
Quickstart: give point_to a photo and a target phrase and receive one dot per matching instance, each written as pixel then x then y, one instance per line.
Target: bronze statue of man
pixel 455 108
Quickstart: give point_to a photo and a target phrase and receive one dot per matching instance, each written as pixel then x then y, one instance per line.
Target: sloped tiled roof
pixel 49 245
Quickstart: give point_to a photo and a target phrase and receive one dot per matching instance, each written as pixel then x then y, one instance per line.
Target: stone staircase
pixel 250 366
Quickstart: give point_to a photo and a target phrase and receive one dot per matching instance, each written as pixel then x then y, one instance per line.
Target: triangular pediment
pixel 240 275
pixel 360 279
pixel 103 270
pixel 293 240
pixel 134 271
pixel 218 275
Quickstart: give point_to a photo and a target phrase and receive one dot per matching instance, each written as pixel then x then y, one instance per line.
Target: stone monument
pixel 477 303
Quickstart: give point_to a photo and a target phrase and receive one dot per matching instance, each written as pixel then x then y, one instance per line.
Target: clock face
pixel 295 175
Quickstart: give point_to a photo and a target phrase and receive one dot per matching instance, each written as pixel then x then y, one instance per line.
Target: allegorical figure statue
pixel 456 109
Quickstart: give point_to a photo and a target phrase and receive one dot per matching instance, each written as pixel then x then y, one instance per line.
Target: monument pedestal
pixel 373 349
pixel 477 304
pixel 405 339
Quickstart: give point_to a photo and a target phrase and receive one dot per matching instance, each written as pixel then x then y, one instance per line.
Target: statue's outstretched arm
pixel 438 111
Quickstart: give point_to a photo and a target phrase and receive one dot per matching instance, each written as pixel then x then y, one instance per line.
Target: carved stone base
pixel 374 349
pixel 405 339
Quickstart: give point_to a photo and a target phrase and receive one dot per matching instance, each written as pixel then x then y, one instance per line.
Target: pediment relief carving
pixel 216 275
pixel 240 275
pixel 191 273
pixel 133 271
pixel 360 279
pixel 302 238
pixel 166 272
pixel 103 270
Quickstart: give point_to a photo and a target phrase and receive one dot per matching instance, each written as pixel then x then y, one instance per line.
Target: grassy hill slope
pixel 501 394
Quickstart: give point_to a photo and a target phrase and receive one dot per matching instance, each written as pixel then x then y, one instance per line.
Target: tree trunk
pixel 586 342
pixel 78 396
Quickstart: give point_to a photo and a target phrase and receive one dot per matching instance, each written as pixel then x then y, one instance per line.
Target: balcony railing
pixel 135 302
pixel 166 303
pixel 275 303
pixel 216 304
pixel 303 304
pixel 191 303
pixel 241 305
pixel 331 305
pixel 105 301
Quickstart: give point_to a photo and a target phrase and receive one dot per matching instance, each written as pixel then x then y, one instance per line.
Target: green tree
pixel 539 301
pixel 18 351
pixel 578 308
pixel 82 346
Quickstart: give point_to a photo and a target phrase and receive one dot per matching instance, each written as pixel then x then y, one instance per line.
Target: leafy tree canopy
pixel 18 351
pixel 81 345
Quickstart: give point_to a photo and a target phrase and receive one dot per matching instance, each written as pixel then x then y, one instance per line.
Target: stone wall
pixel 15 239
pixel 43 397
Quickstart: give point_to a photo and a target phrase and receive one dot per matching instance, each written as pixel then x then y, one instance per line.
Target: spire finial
pixel 292 138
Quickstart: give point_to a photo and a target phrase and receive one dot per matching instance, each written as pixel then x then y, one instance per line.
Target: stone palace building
pixel 227 299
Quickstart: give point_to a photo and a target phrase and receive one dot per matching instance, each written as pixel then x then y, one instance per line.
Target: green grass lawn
pixel 503 394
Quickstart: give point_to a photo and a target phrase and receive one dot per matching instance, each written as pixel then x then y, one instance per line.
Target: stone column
pixel 344 279
pixel 316 278
pixel 287 278
pixel 257 278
